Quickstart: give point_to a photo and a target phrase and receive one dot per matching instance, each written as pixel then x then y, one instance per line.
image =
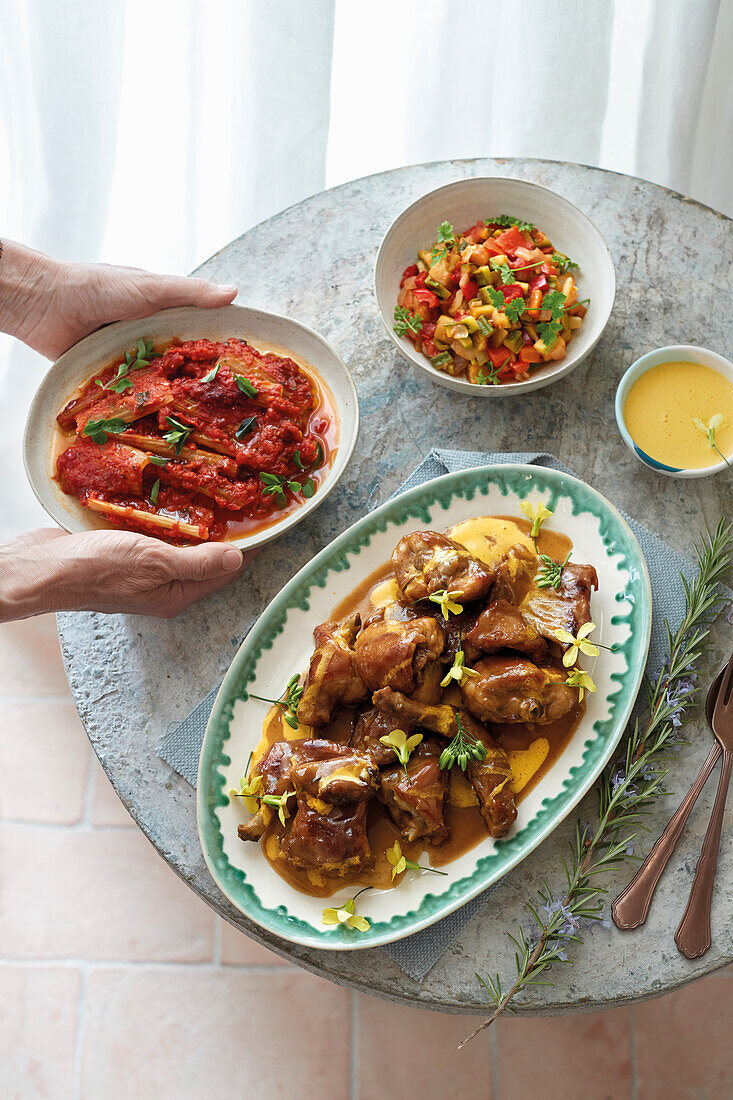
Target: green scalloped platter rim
pixel 633 607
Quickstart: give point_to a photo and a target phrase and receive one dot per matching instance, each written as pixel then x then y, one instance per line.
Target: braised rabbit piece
pixel 332 678
pixel 415 794
pixel 488 775
pixel 426 562
pixel 510 688
pixel 333 773
pixel 394 654
pixel 426 697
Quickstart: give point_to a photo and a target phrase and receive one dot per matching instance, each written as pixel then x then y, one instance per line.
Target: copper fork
pixel 693 936
pixel 631 907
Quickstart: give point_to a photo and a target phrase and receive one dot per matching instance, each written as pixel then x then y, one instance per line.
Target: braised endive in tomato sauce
pixel 196 440
pixel 438 694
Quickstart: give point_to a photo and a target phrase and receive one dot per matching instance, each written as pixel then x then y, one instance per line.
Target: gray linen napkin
pixel 417 954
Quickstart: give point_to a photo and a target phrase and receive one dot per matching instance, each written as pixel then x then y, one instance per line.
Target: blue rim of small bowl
pixel 672 352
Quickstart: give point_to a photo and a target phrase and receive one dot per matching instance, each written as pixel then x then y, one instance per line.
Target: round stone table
pixel 132 677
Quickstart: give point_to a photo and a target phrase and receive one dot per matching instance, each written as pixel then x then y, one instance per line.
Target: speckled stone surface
pixel 132 677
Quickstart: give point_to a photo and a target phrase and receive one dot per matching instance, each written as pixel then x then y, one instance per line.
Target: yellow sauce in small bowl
pixel 661 408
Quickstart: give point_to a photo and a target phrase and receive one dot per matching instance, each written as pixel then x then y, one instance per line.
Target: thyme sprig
pixel 288 701
pixel 627 788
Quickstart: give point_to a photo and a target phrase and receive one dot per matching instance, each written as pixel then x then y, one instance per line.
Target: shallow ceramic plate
pixel 461 204
pixel 280 643
pixel 187 323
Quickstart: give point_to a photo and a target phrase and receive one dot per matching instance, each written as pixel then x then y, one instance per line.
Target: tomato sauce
pixel 198 440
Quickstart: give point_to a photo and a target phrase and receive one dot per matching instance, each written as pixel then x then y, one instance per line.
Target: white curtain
pixel 152 132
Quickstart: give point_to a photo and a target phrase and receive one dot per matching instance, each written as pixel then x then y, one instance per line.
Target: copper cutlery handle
pixel 693 936
pixel 631 907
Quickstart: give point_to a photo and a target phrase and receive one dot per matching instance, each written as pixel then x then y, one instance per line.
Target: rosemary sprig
pixel 627 788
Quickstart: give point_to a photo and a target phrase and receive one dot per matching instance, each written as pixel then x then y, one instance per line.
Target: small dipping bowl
pixel 675 353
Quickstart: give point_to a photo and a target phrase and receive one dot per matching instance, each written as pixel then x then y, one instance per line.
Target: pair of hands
pixel 50 305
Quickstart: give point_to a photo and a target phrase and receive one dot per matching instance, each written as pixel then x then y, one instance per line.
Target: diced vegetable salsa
pixel 198 440
pixel 491 303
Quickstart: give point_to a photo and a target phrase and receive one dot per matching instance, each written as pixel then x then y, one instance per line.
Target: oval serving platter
pixel 280 644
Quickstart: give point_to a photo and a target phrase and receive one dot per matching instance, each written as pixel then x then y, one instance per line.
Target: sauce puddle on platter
pixel 661 407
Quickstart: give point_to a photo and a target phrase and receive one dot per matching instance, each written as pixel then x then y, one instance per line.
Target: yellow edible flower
pixel 458 671
pixel 582 681
pixel 538 514
pixel 347 915
pixel 401 744
pixel 577 645
pixel 446 602
pixel 249 792
pixel 399 862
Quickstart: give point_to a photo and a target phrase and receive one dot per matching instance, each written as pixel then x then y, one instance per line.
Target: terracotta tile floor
pixel 116 981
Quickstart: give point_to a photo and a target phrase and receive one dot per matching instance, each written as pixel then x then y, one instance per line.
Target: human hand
pixel 110 571
pixel 50 304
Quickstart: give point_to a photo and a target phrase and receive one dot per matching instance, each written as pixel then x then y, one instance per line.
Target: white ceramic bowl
pixel 673 353
pixel 461 204
pixel 187 323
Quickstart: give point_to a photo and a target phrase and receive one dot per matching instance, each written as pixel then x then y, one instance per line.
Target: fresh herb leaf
pixel 178 434
pixel 298 460
pixel 505 221
pixel 496 297
pixel 320 455
pixel 488 376
pixel 515 308
pixel 555 302
pixel 406 321
pixel 212 373
pixel 158 461
pixel 154 492
pixel 99 430
pixel 274 486
pixel 564 263
pixel 505 272
pixel 246 427
pixel 308 488
pixel 446 233
pixel 246 387
pixel 548 332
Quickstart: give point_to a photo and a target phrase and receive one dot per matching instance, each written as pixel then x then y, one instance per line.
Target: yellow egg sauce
pixel 661 408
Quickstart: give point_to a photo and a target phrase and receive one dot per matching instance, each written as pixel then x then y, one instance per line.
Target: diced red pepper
pixel 469 288
pixel 476 232
pixel 410 271
pixel 514 290
pixel 529 355
pixel 539 282
pixel 455 275
pixel 492 245
pixel 510 240
pixel 500 357
pixel 426 297
pixel 421 278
